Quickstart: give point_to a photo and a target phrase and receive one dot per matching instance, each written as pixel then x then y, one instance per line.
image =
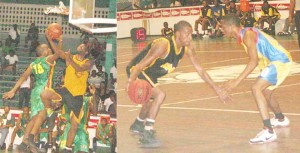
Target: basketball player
pixel 166 31
pixel 156 60
pixel 274 62
pixel 75 84
pixel 81 141
pixel 42 68
pixel 295 13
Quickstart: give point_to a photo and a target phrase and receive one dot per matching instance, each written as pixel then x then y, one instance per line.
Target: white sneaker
pixel 276 123
pixel 205 36
pixel 263 137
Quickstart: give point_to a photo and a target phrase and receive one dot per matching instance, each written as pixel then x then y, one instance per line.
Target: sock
pixel 279 116
pixel 31 138
pixel 267 124
pixel 68 148
pixel 138 120
pixel 149 124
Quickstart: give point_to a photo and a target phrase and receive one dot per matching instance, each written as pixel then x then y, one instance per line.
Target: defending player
pixel 275 64
pixel 156 60
pixel 42 68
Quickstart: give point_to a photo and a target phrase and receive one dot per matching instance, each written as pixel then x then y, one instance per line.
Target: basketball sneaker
pixel 148 140
pixel 263 137
pixel 137 127
pixel 275 122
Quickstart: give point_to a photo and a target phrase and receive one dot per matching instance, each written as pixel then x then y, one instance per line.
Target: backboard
pixel 82 15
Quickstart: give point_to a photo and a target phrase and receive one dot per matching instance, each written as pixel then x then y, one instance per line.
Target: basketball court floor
pixel 193 120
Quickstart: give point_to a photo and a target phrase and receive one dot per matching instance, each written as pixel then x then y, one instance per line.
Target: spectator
pixel 227 6
pixel 7 120
pixel 112 109
pixel 7 47
pixel 232 8
pixel 103 135
pixel 14 34
pixel 270 15
pixel 96 49
pixel 33 34
pixel 166 31
pixel 94 79
pixel 24 93
pixel 33 46
pixel 175 3
pixel 113 73
pixel 12 61
pixel 288 28
pixel 248 21
pixel 204 19
pixel 21 123
pixel 193 3
pixel 110 100
pixel 218 12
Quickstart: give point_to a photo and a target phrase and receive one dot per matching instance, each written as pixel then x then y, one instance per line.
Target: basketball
pixel 139 91
pixel 54 30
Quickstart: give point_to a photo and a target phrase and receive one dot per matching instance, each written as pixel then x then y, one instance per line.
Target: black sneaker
pixel 23 148
pixel 137 128
pixel 148 139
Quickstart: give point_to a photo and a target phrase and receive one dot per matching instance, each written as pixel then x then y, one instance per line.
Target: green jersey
pixel 43 73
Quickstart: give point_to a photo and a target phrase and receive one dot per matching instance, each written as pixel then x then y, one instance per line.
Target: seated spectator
pixel 12 61
pixel 166 31
pixel 20 126
pixel 248 21
pixel 112 109
pixel 218 12
pixel 110 100
pixel 270 15
pixel 94 79
pixel 33 34
pixel 232 8
pixel 175 3
pixel 7 120
pixel 96 49
pixel 204 19
pixel 103 136
pixel 7 47
pixel 24 93
pixel 14 34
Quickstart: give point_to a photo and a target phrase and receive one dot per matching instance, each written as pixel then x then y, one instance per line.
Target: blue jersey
pixel 268 49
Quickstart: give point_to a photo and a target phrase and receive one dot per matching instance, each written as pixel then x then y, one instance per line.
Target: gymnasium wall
pixel 152 19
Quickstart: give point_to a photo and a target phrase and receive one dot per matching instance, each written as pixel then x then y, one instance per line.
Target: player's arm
pixel 249 40
pixel 56 48
pixel 23 77
pixel 204 75
pixel 78 68
pixel 291 10
pixel 157 50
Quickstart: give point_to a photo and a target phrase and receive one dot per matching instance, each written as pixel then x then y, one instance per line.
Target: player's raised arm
pixel 56 48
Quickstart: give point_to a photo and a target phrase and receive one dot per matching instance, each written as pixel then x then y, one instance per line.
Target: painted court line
pixel 202 99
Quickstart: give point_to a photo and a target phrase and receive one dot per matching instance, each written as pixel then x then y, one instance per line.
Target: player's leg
pixel 279 119
pixel 147 138
pixel 267 134
pixel 297 23
pixel 72 132
pixel 138 126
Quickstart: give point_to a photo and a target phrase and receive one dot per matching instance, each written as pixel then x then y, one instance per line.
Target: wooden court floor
pixel 193 120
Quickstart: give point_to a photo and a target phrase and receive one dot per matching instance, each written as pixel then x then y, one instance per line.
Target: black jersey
pixel 167 32
pixel 160 66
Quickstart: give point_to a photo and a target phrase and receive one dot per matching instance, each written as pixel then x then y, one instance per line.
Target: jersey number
pixel 38 68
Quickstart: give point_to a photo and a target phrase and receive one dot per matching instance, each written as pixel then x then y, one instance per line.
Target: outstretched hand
pixel 223 95
pixel 8 95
